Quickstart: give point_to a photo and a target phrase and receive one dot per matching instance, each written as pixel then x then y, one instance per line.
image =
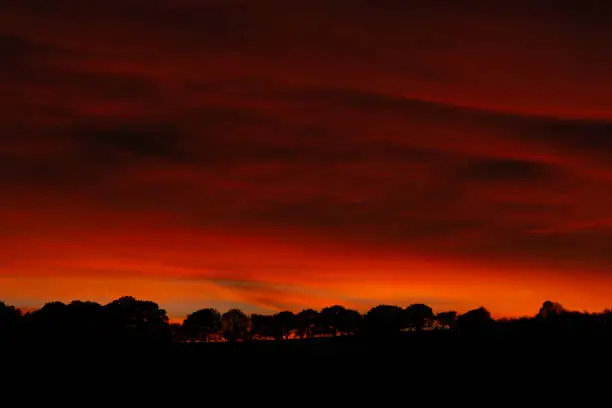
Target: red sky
pixel 282 154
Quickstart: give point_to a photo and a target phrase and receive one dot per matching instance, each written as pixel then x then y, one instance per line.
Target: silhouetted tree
pixel 262 326
pixel 86 321
pixel 10 319
pixel 235 325
pixel 284 323
pixel 8 313
pixel 127 319
pixel 553 319
pixel 516 326
pixel 385 320
pixel 418 316
pixel 49 323
pixel 306 321
pixel 582 324
pixel 606 317
pixel 477 320
pixel 330 319
pixel 550 309
pixel 200 325
pixel 52 310
pixel 350 321
pixel 177 332
pixel 447 319
pixel 138 319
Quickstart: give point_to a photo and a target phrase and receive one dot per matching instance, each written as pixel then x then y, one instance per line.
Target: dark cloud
pixel 575 137
pixel 18 49
pixel 23 59
pixel 125 141
pixel 508 171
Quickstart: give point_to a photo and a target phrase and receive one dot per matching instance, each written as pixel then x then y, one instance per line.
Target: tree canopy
pixel 130 319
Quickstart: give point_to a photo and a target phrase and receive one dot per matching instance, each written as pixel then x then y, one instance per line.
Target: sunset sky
pixel 286 154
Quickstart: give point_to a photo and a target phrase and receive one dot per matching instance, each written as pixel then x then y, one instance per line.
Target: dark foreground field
pixel 426 352
pixel 435 366
pixel 446 349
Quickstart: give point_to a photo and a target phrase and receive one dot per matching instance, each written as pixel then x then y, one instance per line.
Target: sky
pixel 273 155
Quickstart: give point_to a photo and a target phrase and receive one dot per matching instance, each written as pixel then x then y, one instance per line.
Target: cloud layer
pixel 279 154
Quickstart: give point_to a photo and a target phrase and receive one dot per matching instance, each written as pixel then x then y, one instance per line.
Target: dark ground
pixel 430 366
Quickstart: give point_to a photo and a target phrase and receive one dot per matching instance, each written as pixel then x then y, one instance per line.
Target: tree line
pixel 131 320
